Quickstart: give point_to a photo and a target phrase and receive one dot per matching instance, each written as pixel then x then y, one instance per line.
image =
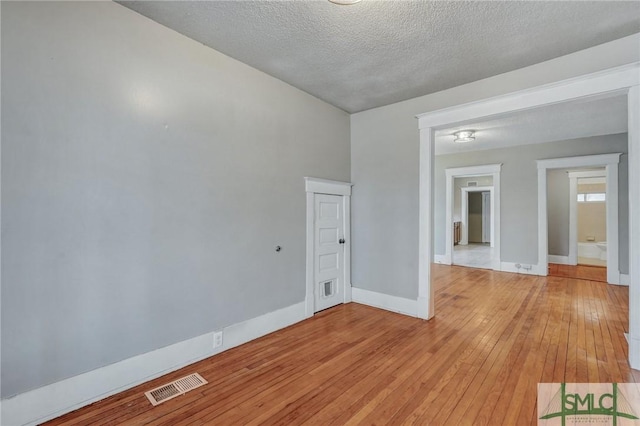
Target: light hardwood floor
pixel 495 336
pixel 583 272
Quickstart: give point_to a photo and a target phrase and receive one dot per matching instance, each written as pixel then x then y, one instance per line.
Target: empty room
pixel 319 212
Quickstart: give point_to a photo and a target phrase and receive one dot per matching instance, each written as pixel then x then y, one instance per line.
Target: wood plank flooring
pixel 583 272
pixel 495 336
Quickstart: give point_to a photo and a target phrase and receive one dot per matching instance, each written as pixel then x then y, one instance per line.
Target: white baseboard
pixel 625 279
pixel 441 259
pixel 508 267
pixel 511 267
pixel 496 265
pixel 560 260
pixel 54 400
pixel 385 301
pixel 540 270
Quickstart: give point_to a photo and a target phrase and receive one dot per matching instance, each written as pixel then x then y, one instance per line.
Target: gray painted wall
pixel 519 191
pixel 146 180
pixel 558 212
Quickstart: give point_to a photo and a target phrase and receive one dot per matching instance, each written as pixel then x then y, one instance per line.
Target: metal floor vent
pixel 176 388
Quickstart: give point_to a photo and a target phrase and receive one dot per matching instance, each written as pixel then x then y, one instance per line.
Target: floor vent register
pixel 176 388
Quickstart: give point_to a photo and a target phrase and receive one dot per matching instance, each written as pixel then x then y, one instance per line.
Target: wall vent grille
pixel 176 388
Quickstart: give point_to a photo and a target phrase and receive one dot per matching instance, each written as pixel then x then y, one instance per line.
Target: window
pixel 595 197
pixel 592 198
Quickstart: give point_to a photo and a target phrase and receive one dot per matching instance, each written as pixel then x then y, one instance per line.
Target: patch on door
pixel 327 288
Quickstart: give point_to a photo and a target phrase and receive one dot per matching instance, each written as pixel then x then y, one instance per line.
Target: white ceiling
pixel 568 120
pixel 379 52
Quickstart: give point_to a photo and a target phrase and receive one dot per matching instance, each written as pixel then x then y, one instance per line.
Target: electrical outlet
pixel 217 339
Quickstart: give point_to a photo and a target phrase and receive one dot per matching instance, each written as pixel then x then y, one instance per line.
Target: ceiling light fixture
pixel 345 2
pixel 464 136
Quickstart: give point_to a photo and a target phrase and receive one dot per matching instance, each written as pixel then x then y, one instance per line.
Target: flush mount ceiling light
pixel 464 136
pixel 345 2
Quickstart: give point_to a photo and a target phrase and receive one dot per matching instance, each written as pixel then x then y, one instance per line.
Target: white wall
pixel 146 180
pixel 385 164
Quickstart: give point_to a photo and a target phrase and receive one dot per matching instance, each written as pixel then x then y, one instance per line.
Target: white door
pixel 486 217
pixel 329 251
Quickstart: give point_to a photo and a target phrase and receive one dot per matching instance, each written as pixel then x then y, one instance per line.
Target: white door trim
pixel 492 170
pixel 623 80
pixel 323 186
pixel 610 162
pixel 487 237
pixel 573 210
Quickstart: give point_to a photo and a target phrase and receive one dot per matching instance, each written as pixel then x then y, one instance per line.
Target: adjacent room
pixel 576 197
pixel 320 211
pixel 472 217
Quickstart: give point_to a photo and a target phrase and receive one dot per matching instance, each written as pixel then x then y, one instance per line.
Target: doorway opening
pixel 473 216
pixel 590 217
pixel 473 244
pixel 577 225
pixel 603 166
pixel 622 80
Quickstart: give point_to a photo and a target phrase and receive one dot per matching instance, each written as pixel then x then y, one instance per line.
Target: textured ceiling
pixel 379 52
pixel 568 120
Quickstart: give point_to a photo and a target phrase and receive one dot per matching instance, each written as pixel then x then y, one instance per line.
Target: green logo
pixel 612 404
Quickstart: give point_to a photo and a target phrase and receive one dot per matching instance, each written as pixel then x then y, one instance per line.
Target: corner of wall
pixel 385 301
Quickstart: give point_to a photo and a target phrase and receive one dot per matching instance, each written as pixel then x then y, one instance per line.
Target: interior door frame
pixel 315 186
pixel 622 80
pixel 487 237
pixel 451 174
pixel 610 163
pixel 573 209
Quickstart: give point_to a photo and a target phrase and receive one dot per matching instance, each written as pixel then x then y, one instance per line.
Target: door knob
pixel 341 241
